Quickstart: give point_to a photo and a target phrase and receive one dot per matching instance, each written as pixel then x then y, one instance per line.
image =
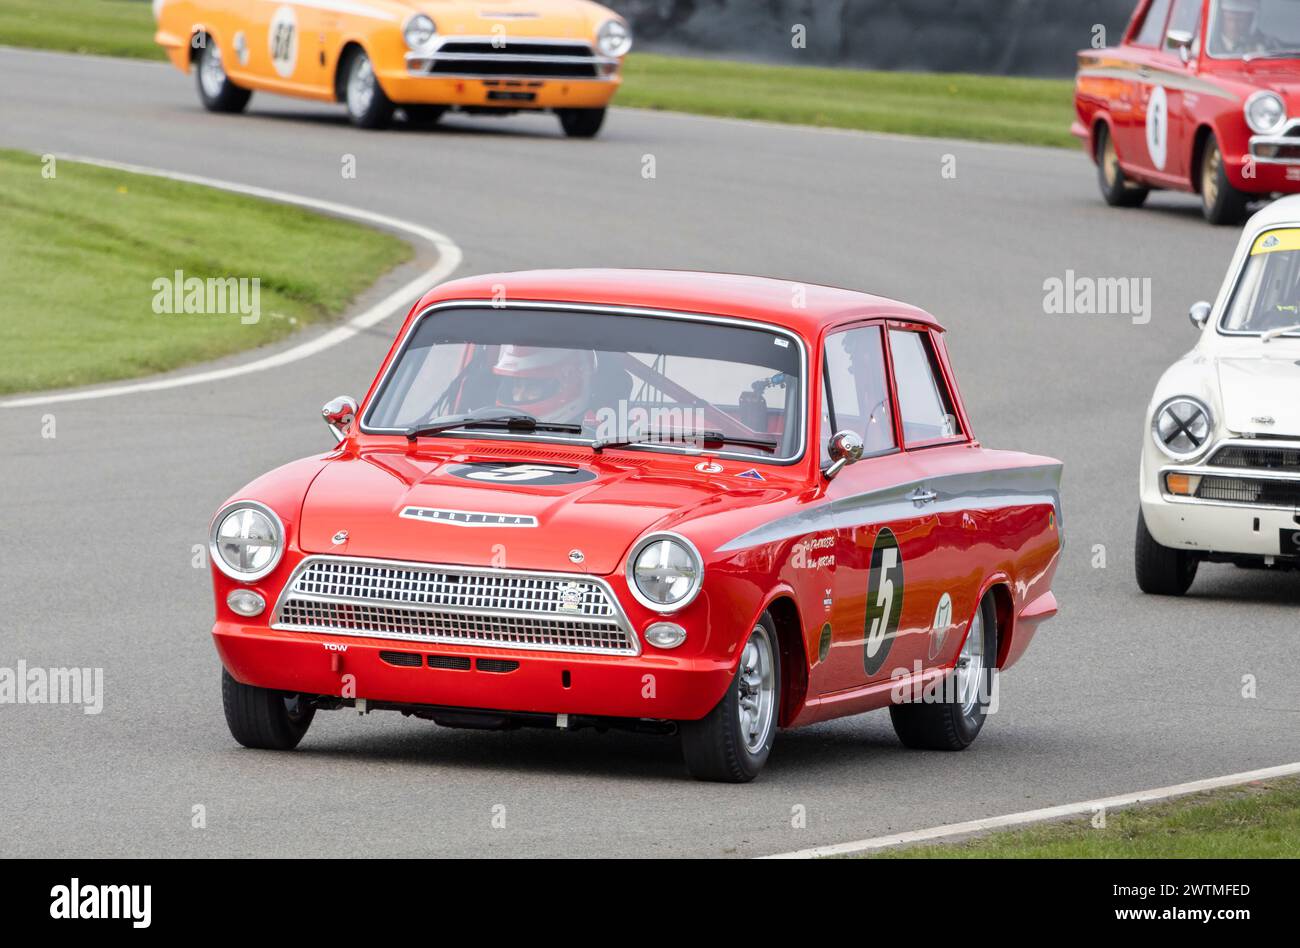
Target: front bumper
pixel 1216 526
pixel 659 686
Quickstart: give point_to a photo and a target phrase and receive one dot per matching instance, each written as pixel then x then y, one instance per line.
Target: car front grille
pixel 454 604
pixel 1258 458
pixel 552 60
pixel 1251 491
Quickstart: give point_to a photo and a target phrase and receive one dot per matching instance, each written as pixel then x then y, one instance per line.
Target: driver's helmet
pixel 549 384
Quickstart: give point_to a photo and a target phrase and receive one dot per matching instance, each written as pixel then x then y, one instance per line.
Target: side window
pixel 923 398
pixel 856 390
pixel 1187 17
pixel 1152 31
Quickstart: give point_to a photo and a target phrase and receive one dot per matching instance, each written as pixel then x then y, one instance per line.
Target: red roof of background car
pixel 718 294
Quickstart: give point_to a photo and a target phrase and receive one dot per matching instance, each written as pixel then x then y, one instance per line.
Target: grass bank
pixel 85 248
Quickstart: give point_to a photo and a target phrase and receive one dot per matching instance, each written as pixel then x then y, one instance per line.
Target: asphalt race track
pixel 1121 692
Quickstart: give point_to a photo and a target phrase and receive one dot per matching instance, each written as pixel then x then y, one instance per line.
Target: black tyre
pixel 581 123
pixel 368 106
pixel 953 717
pixel 216 91
pixel 1221 203
pixel 423 116
pixel 1162 571
pixel 732 742
pixel 264 719
pixel 1116 188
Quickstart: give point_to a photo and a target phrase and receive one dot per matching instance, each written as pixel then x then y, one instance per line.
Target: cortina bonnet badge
pixel 340 537
pixel 576 556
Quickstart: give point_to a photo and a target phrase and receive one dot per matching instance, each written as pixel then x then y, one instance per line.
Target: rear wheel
pixel 955 721
pixel 1162 571
pixel 216 91
pixel 732 742
pixel 1116 188
pixel 1221 203
pixel 581 123
pixel 264 719
pixel 368 106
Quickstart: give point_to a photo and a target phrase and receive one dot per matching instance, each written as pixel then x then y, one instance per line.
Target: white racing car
pixel 1221 460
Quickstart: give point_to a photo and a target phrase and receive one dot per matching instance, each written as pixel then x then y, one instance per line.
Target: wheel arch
pixel 1203 132
pixel 199 29
pixel 350 47
pixel 998 588
pixel 794 655
pixel 1099 121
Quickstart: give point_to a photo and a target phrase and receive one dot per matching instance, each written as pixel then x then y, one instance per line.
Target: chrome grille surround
pixel 1243 472
pixel 457 605
pixel 519 57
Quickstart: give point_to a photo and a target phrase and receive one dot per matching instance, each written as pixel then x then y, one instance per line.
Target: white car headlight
pixel 247 540
pixel 1182 427
pixel 664 572
pixel 1265 112
pixel 419 31
pixel 614 38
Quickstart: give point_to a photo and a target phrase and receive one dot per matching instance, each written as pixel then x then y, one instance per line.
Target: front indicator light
pixel 665 635
pixel 1183 485
pixel 245 602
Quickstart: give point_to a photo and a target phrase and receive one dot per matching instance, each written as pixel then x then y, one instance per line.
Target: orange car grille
pixel 458 605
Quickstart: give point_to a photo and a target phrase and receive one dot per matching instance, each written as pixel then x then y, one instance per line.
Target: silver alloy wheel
pixel 757 688
pixel 970 665
pixel 212 74
pixel 361 85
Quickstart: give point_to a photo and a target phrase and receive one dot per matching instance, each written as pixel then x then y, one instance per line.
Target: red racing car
pixel 684 503
pixel 1201 96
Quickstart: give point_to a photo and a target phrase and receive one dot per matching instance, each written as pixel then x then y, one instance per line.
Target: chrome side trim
pixel 983 490
pixel 803 414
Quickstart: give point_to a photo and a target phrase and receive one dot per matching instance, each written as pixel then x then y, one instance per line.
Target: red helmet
pixel 549 384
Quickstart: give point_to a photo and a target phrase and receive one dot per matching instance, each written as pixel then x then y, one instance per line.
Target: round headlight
pixel 418 31
pixel 1265 112
pixel 247 540
pixel 664 572
pixel 614 38
pixel 1182 427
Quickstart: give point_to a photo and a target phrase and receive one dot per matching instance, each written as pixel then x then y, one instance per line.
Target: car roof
pixel 717 294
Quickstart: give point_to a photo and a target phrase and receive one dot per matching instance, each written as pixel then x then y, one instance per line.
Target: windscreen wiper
pixel 512 420
pixel 701 439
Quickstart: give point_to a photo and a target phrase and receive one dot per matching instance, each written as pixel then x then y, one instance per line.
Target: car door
pixel 1184 19
pixel 937 450
pixel 1141 132
pixel 881 537
pixel 284 41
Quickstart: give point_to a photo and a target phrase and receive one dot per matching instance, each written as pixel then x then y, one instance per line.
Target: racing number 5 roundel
pixel 884 600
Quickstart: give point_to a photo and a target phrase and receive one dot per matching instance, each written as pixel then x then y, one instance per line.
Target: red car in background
pixel 1200 96
pixel 683 503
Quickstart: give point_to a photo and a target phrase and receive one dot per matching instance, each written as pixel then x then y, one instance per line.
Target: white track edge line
pixel 1036 816
pixel 449 258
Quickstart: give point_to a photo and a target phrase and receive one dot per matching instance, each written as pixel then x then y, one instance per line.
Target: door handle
pixel 920 497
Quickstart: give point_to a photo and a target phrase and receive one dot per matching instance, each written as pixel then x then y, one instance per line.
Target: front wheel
pixel 368 106
pixel 264 719
pixel 1221 203
pixel 581 123
pixel 732 742
pixel 1162 571
pixel 953 717
pixel 216 91
pixel 1116 189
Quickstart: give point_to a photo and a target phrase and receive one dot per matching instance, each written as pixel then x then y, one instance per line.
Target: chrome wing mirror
pixel 1181 40
pixel 1199 314
pixel 845 448
pixel 339 414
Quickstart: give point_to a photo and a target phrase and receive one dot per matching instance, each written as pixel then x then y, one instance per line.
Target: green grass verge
pixel 83 249
pixel 108 27
pixel 982 108
pixel 1256 821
